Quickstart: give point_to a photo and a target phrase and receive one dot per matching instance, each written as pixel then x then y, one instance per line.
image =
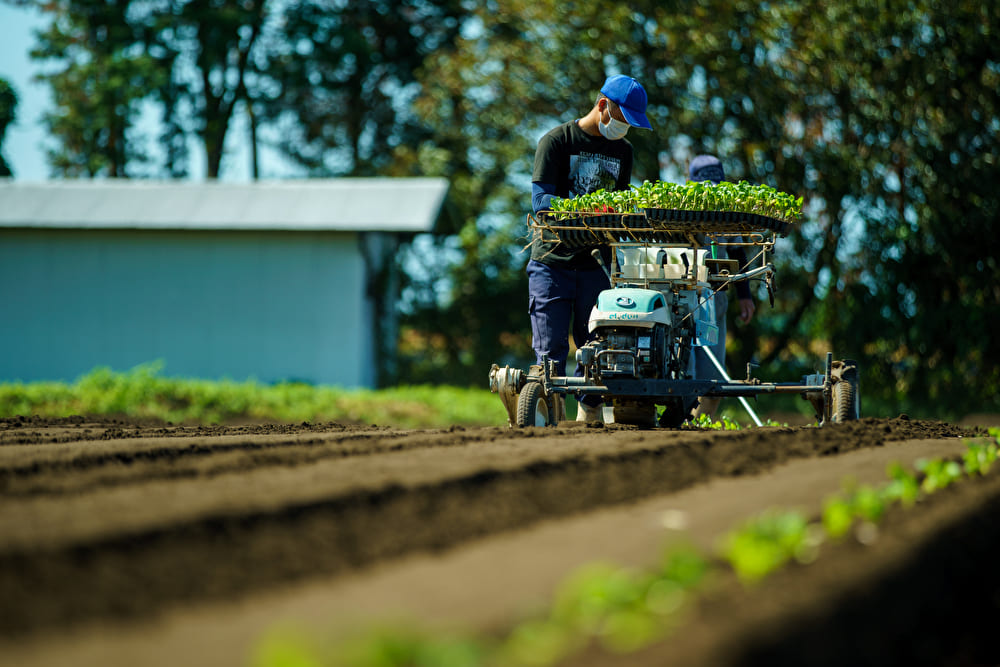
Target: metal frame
pixel 615 231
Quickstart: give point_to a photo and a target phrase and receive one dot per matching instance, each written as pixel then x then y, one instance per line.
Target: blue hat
pixel 630 97
pixel 707 168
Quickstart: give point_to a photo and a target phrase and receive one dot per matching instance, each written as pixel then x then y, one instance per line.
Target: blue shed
pixel 283 280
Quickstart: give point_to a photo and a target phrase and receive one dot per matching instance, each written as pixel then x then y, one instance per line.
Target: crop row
pixel 741 197
pixel 625 610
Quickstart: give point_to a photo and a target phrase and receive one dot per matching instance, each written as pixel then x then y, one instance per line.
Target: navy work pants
pixel 558 300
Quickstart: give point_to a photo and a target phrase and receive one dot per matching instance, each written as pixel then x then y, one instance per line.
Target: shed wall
pixel 270 306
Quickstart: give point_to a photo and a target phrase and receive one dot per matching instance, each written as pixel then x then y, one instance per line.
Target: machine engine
pixel 630 352
pixel 632 335
pixel 646 334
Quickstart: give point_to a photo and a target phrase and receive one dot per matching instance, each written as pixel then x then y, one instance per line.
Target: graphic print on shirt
pixel 589 172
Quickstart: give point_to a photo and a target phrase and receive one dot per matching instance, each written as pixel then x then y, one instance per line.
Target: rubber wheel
pixel 846 397
pixel 532 410
pixel 635 413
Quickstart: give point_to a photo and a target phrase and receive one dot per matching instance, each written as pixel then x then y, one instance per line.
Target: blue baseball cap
pixel 706 168
pixel 630 97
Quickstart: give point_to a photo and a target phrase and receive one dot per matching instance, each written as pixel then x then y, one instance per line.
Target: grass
pixel 143 392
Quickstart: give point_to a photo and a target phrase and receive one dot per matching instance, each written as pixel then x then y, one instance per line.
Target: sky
pixel 23 144
pixel 25 141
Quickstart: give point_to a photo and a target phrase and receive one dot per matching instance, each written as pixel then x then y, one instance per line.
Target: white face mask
pixel 614 129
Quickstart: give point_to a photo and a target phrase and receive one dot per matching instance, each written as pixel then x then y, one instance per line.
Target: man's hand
pixel 747 309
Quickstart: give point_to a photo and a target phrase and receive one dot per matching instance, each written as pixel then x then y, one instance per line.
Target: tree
pixel 217 38
pixel 883 117
pixel 8 114
pixel 922 136
pixel 193 57
pixel 97 91
pixel 342 77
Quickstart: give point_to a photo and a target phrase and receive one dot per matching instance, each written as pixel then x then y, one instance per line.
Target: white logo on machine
pixel 625 302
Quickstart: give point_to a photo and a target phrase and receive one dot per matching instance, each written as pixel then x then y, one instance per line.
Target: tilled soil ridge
pixel 188 517
pixel 926 592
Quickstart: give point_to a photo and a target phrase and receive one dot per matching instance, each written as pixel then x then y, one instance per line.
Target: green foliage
pixel 938 474
pixel 840 513
pixel 837 516
pixel 622 609
pixel 739 197
pixel 851 105
pixel 346 73
pixel 379 647
pixel 727 423
pixel 767 542
pixel 903 487
pixel 287 647
pixel 772 539
pixel 627 609
pixel 796 98
pixel 724 423
pixel 8 114
pixel 99 75
pixel 405 648
pixel 107 59
pixel 143 392
pixel 220 40
pixel 605 601
pixel 980 457
pixel 706 421
pixel 867 504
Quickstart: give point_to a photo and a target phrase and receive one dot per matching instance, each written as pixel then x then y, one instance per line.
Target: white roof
pixel 336 204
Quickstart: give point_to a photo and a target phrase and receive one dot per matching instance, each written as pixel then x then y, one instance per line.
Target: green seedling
pixel 938 474
pixel 841 510
pixel 683 565
pixel 739 197
pixel 622 609
pixel 724 423
pixel 405 647
pixel 903 487
pixel 837 517
pixel 589 596
pixel 537 642
pixel 979 458
pixel 730 424
pixel 706 421
pixel 868 504
pixel 768 542
pixel 625 609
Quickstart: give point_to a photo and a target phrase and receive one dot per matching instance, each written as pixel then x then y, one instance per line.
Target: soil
pixel 126 543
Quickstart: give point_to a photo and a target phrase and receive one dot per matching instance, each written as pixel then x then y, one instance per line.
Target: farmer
pixel 709 168
pixel 575 158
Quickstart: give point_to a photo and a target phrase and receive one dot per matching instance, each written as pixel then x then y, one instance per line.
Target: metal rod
pixel 709 387
pixel 596 254
pixel 753 273
pixel 725 376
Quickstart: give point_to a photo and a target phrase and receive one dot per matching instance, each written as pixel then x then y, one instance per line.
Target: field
pixel 127 543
